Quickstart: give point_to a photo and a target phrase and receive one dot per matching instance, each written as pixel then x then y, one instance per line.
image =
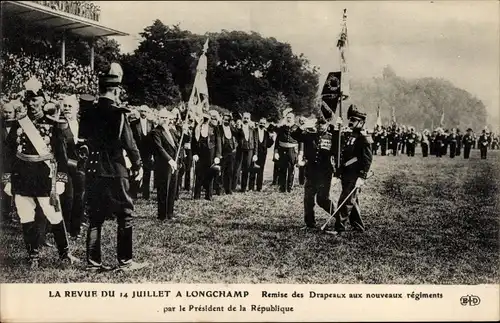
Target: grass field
pixel 429 221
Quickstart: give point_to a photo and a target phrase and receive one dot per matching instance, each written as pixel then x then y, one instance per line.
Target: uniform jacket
pixel 468 140
pixel 319 147
pixel 483 140
pixel 284 134
pixel 411 139
pixel 106 131
pixel 32 178
pixel 357 145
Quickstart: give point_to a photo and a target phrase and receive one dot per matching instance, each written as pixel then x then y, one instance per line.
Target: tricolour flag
pixel 330 94
pixel 198 101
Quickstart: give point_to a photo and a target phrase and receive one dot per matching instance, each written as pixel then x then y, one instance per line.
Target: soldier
pixel 411 142
pixel 247 142
pixel 383 141
pixel 356 159
pixel 72 198
pixel 166 140
pixel 206 145
pixel 376 139
pixel 424 143
pixel 37 175
pixel 286 152
pixel 468 142
pixel 403 139
pixel 439 142
pixel 108 136
pixel 459 142
pixel 264 142
pixel 483 142
pixel 229 145
pixel 320 150
pixel 452 142
pixel 300 163
pixel 396 139
pixel 141 129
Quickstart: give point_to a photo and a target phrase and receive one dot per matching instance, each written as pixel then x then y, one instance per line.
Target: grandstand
pixel 35 36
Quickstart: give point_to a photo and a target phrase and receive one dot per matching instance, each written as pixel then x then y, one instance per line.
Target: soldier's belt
pixel 287 144
pixel 351 161
pixel 34 158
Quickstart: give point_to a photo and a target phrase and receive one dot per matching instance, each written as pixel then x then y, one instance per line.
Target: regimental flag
pixel 379 120
pixel 330 94
pixel 198 101
pixel 441 123
pixel 342 45
pixel 393 116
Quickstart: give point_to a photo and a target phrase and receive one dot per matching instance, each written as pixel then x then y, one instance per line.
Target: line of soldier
pixel 402 140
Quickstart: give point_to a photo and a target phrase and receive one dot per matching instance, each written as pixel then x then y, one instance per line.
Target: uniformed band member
pixel 206 146
pixel 72 198
pixel 356 159
pixel 165 142
pixel 108 135
pixel 483 143
pixel 248 146
pixel 37 175
pixel 285 152
pixel 320 150
pixel 264 142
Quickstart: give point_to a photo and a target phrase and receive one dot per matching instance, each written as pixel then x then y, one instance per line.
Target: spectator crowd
pixel 85 9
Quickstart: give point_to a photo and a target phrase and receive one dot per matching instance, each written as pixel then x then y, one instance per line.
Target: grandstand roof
pixel 43 16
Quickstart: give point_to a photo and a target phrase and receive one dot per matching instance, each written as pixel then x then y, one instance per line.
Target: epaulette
pixel 367 136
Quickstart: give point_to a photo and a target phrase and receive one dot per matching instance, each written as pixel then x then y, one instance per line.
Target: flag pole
pixel 188 109
pixel 341 43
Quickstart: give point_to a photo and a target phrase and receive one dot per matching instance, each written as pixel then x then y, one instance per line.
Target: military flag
pixel 379 120
pixel 198 101
pixel 393 116
pixel 441 123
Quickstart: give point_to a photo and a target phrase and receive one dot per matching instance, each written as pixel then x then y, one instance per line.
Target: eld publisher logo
pixel 470 300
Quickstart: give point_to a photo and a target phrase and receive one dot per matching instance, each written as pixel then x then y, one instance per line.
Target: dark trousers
pixel 317 187
pixel 135 186
pixel 257 176
pixel 394 149
pixel 72 202
pixel 453 150
pixel 383 149
pixel 204 175
pixel 484 151
pixel 246 165
pixel 467 149
pixel 288 159
pixel 167 191
pixel 439 148
pixel 410 150
pixel 105 196
pixel 350 210
pixel 459 148
pixel 238 159
pixel 6 204
pixel 425 149
pixel 302 175
pixel 188 161
pixel 276 171
pixel 374 147
pixel 227 169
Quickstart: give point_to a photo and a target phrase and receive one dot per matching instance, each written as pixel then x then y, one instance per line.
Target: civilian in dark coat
pixel 247 142
pixel 141 129
pixel 264 142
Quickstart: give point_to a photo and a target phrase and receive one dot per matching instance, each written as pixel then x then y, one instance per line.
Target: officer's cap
pixel 469 129
pixel 354 113
pixel 113 77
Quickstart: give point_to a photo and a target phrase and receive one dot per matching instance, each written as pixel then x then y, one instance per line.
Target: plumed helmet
pixel 354 113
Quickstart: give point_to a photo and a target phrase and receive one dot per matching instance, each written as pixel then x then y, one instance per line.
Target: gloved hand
pixel 60 187
pixel 8 189
pixel 216 160
pixel 254 158
pixel 338 121
pixel 277 156
pixel 172 164
pixel 335 180
pixel 195 158
pixel 137 174
pixel 360 182
pixel 301 160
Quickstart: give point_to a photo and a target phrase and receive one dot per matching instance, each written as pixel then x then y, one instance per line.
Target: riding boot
pixel 31 239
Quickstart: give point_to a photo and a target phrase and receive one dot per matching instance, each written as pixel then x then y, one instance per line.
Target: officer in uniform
pixel 285 152
pixel 37 175
pixel 483 143
pixel 108 136
pixel 411 142
pixel 320 152
pixel 356 160
pixel 383 141
pixel 468 142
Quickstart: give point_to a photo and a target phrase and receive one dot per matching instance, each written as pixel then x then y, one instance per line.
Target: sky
pixel 455 40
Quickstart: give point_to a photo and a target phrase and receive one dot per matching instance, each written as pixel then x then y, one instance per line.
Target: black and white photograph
pixel 250 142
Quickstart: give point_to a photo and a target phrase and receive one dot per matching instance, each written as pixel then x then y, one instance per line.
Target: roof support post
pixel 63 48
pixel 92 54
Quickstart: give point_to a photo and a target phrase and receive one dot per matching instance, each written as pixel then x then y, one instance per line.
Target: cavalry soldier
pixel 264 142
pixel 72 198
pixel 356 159
pixel 165 143
pixel 483 143
pixel 37 175
pixel 411 142
pixel 285 152
pixel 468 142
pixel 206 145
pixel 108 137
pixel 320 150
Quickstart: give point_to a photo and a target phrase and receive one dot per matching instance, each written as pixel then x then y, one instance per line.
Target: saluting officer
pixel 320 150
pixel 356 160
pixel 37 175
pixel 108 136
